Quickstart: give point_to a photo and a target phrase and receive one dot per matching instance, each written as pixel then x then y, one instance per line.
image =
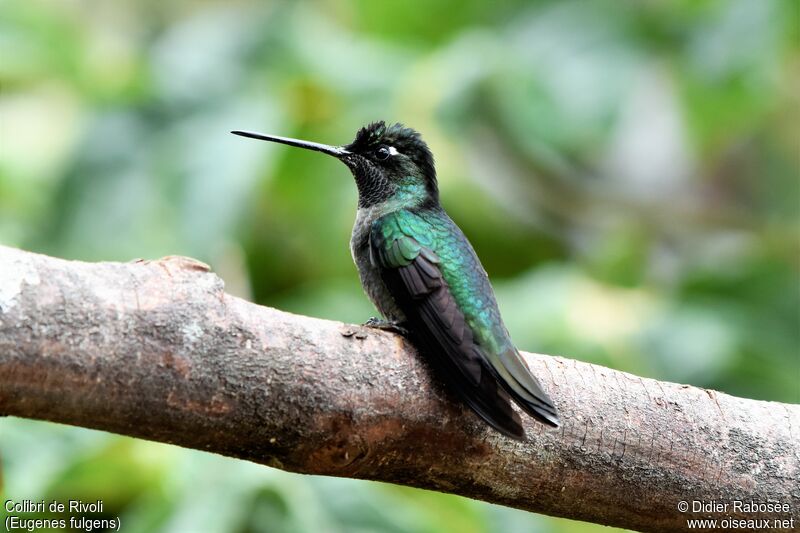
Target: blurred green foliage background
pixel 627 171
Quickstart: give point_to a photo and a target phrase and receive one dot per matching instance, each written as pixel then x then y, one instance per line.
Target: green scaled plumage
pixel 465 312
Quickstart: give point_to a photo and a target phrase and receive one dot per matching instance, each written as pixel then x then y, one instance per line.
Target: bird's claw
pixel 386 325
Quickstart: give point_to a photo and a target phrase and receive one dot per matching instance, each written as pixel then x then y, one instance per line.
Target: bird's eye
pixel 383 153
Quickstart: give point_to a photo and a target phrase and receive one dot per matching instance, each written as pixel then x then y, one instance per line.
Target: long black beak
pixel 335 151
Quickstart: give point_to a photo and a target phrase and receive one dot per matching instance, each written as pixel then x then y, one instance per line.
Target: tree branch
pixel 157 350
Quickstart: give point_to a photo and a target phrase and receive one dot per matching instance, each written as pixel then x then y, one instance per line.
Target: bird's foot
pixel 386 325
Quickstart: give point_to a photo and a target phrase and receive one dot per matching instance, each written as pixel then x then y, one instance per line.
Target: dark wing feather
pixel 435 319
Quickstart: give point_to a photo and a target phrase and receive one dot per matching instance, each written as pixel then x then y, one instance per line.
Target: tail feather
pixel 487 399
pixel 512 372
pixel 492 404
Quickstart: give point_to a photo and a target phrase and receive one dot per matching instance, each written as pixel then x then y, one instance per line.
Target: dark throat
pixel 373 187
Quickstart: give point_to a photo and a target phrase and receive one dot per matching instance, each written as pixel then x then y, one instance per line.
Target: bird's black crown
pixel 405 140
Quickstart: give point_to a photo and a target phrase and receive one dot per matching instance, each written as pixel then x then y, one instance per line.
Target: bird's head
pixel 389 163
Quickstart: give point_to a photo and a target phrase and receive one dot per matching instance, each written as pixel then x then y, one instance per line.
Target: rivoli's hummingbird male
pixel 424 277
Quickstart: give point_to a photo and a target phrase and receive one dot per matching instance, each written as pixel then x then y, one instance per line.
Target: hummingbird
pixel 423 276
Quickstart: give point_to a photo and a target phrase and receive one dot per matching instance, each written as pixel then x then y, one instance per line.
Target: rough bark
pixel 158 350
